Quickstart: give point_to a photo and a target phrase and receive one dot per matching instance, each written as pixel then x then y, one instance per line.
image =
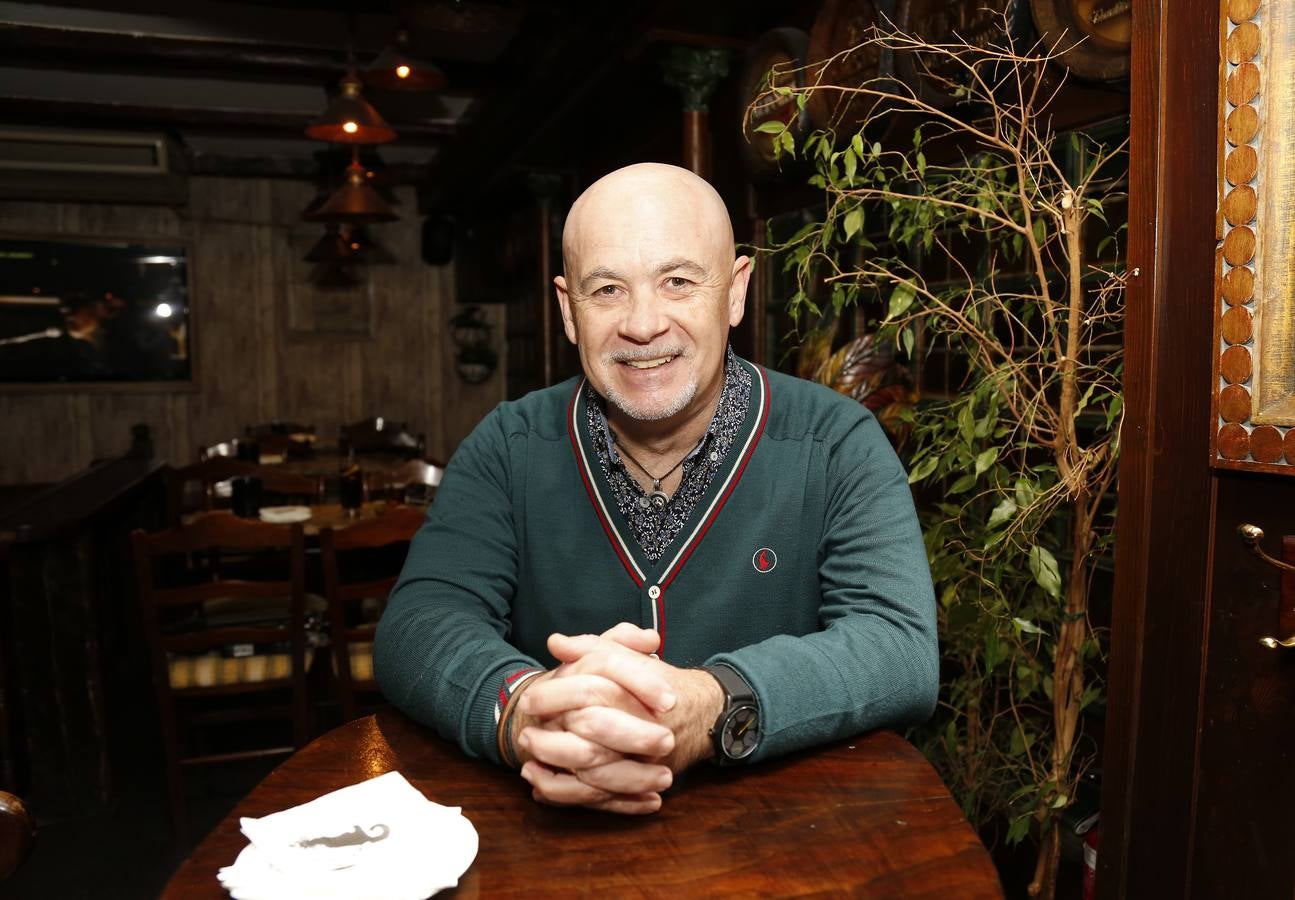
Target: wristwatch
pixel 736 732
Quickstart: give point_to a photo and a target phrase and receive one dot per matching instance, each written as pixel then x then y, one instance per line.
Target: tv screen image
pixel 83 310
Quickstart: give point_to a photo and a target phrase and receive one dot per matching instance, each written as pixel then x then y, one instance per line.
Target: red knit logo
pixel 764 560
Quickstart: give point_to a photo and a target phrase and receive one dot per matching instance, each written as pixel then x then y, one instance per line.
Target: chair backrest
pixel 349 587
pixel 414 480
pixel 381 435
pixel 193 487
pixel 199 610
pixel 17 833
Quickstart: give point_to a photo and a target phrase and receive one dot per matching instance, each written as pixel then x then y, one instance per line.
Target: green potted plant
pixel 983 239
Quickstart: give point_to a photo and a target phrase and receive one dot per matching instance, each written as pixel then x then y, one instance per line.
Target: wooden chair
pixel 17 833
pixel 211 637
pixel 413 481
pixel 193 488
pixel 382 435
pixel 361 563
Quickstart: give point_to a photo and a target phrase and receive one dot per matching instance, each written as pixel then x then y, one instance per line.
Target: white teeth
pixel 649 363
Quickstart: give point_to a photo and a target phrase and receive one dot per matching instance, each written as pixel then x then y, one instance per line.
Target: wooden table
pixel 866 817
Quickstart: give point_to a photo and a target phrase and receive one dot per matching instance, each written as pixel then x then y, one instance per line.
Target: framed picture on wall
pixel 90 311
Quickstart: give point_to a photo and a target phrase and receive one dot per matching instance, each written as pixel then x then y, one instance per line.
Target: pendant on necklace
pixel 657 496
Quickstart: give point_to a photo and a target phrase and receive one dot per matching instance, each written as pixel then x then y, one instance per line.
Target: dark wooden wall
pixel 246 242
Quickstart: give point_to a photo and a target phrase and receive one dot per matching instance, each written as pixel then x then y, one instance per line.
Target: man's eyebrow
pixel 682 264
pixel 600 274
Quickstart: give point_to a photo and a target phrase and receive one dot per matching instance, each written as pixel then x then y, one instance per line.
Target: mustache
pixel 619 356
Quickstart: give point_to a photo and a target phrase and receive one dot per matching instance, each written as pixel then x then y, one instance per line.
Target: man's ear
pixel 737 291
pixel 564 304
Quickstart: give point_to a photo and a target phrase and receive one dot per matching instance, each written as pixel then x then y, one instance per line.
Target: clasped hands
pixel 611 725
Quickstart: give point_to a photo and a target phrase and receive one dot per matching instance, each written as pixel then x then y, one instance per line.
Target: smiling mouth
pixel 648 363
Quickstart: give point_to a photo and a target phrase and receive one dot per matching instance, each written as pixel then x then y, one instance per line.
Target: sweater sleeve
pixel 874 661
pixel 441 653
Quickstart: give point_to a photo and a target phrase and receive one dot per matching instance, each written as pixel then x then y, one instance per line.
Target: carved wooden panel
pixel 1254 394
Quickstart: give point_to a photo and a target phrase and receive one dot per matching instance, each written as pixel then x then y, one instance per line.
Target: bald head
pixel 649 201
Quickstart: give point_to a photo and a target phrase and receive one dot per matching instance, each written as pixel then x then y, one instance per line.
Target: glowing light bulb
pixel 350 127
pixel 402 71
pixel 164 310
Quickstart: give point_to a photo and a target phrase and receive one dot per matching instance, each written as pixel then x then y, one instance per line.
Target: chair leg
pixel 174 781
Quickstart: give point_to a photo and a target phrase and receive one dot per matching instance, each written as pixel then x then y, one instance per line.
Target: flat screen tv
pixel 87 311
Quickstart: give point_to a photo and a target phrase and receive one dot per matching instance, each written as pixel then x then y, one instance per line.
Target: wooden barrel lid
pixel 978 22
pixel 1106 27
pixel 840 26
pixel 781 52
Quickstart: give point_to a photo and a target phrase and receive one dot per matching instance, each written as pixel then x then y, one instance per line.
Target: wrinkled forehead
pixel 634 228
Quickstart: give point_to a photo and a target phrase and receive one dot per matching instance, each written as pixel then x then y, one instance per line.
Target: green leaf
pixel 921 164
pixel 876 148
pixel 1005 511
pixel 923 469
pixel 1040 231
pixel 963 484
pixel 851 165
pixel 771 127
pixel 966 424
pixel 1043 566
pixel 856 142
pixel 1027 626
pixel 787 142
pixel 907 337
pixel 853 220
pixel 985 459
pixel 1025 493
pixel 1019 828
pixel 901 298
pixel 1061 801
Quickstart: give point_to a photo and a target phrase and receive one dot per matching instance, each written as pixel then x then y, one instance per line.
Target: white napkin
pixel 377 840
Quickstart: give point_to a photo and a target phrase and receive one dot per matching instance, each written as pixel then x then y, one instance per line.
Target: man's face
pixel 650 293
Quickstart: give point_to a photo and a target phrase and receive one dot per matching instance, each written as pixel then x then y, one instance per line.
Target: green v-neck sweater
pixel 802 567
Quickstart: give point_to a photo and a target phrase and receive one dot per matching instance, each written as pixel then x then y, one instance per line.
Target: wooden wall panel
pixel 250 368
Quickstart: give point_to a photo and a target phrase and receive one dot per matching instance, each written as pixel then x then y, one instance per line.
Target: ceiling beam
pixel 246 122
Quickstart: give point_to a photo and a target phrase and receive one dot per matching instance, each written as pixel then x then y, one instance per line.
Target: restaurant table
pixel 864 817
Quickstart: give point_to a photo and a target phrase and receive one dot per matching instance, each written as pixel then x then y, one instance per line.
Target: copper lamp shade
pixel 353 202
pixel 332 247
pixel 397 69
pixel 350 119
pixel 363 248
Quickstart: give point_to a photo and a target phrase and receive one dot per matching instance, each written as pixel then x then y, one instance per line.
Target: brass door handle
pixel 1252 536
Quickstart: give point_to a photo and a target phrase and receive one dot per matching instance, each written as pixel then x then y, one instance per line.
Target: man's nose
pixel 644 317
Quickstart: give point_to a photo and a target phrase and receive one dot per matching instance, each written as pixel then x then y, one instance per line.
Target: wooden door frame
pixel 1166 488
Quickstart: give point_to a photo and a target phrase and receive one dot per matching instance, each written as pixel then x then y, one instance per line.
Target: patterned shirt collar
pixel 656 529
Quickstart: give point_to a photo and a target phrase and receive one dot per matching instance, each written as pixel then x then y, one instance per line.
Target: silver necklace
pixel 656 496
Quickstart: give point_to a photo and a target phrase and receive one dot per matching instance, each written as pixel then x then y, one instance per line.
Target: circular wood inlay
pixel 1289 446
pixel 1233 442
pixel 1266 444
pixel 1241 11
pixel 1236 325
pixel 1242 125
pixel 1239 205
pixel 1234 403
pixel 1243 43
pixel 1241 165
pixel 1238 286
pixel 1243 84
pixel 1235 365
pixel 1239 246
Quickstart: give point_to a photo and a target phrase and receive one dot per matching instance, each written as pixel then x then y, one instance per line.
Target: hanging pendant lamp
pixel 350 119
pixel 332 247
pixel 354 202
pixel 397 69
pixel 363 248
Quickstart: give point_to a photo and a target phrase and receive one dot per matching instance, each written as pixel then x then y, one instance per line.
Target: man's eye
pixel 607 290
pixel 676 283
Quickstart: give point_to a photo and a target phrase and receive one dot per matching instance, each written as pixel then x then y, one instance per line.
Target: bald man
pixel 679 556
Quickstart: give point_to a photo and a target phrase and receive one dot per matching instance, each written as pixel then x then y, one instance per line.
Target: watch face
pixel 741 732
